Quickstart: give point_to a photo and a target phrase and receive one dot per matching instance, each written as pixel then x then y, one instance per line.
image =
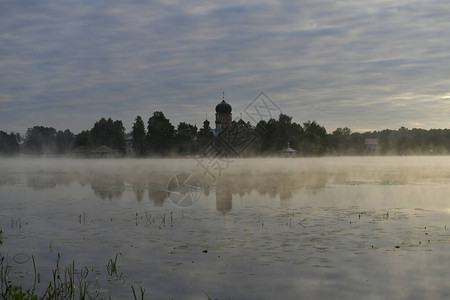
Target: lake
pixel 269 228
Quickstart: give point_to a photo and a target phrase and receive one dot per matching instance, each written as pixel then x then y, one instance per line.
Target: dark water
pixel 371 228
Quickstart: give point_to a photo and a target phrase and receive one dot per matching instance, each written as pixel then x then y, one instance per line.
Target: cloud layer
pixel 361 64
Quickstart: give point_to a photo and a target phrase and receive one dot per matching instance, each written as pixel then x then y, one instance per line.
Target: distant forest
pixel 160 138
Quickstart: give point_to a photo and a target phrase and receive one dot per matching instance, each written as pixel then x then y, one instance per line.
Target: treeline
pixel 403 141
pixel 9 143
pixel 158 137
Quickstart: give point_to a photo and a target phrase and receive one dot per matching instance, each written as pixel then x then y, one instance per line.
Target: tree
pixel 8 143
pixel 266 131
pixel 185 138
pixel 64 141
pixel 83 139
pixel 110 133
pixel 138 142
pixel 274 135
pixel 41 140
pixel 160 133
pixel 315 139
pixel 288 132
pixel 339 141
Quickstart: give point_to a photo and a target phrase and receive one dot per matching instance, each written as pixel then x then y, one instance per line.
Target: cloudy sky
pixel 367 65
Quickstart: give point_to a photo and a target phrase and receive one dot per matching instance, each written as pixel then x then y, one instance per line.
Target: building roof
pixel 103 149
pixel 81 149
pixel 128 136
pixel 289 149
pixel 223 108
pixel 371 141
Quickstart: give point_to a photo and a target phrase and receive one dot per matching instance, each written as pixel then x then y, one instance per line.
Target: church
pixel 223 116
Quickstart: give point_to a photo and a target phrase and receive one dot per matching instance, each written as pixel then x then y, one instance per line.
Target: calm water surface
pixel 293 228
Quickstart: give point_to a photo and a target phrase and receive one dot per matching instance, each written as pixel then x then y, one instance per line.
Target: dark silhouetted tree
pixel 274 135
pixel 315 138
pixel 139 142
pixel 185 138
pixel 160 133
pixel 83 139
pixel 64 141
pixel 8 143
pixel 340 141
pixel 40 140
pixel 110 133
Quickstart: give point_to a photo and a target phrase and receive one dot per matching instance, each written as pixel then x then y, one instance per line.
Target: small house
pixel 371 145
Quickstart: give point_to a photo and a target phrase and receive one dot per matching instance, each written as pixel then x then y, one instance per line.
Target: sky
pixel 366 65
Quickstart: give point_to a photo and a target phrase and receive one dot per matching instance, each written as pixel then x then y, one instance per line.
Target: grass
pixel 134 293
pixel 8 290
pixel 67 283
pixel 111 268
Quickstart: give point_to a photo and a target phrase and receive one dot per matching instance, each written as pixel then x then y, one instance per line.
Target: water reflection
pixel 280 185
pixel 108 185
pixel 224 200
pixel 274 178
pixel 157 193
pixel 44 180
pixel 105 185
pixel 307 229
pixel 139 191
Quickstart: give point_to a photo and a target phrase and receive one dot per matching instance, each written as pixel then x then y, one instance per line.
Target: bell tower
pixel 223 113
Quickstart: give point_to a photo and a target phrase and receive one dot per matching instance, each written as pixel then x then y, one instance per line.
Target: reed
pixel 134 292
pixel 111 268
pixel 67 282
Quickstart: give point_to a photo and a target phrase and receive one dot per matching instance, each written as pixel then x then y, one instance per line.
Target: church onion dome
pixel 223 108
pixel 206 123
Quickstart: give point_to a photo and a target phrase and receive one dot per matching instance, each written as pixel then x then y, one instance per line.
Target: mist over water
pixel 353 227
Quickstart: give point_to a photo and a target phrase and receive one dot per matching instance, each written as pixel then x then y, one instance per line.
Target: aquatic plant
pixel 69 283
pixel 16 293
pixel 134 292
pixel 66 284
pixel 10 291
pixel 111 268
pixel 4 275
pixel 163 220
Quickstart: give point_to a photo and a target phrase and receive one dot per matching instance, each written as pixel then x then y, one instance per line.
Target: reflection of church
pixel 224 200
